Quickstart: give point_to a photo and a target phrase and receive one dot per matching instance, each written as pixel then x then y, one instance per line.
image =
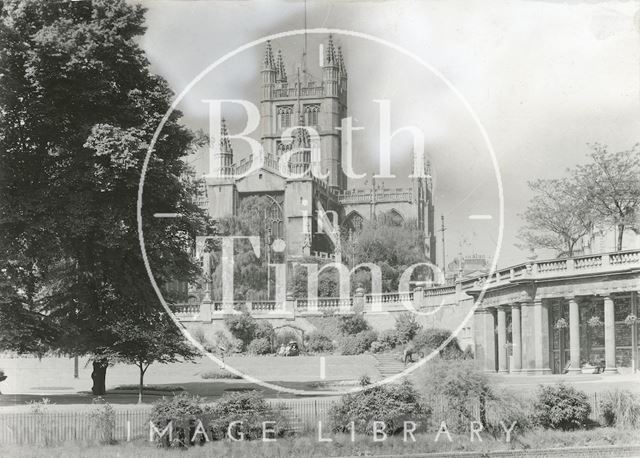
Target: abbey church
pixel 309 213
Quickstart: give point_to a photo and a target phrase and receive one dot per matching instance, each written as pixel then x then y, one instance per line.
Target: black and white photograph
pixel 319 228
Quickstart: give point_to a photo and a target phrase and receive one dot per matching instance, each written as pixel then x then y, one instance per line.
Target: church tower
pixel 320 102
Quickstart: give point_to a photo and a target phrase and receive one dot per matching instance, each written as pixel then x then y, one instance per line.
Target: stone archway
pixel 353 221
pixel 298 331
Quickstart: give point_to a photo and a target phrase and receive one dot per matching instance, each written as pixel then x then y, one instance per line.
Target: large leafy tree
pixel 558 216
pixel 601 194
pixel 250 272
pixel 78 109
pixel 390 244
pixel 611 185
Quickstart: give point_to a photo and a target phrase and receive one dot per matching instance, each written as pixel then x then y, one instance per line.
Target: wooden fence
pixel 53 425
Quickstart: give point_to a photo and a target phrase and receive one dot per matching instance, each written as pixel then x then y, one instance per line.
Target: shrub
pixel 104 420
pixel 407 326
pixel 242 327
pixel 167 388
pixel 224 344
pixel 218 373
pixel 620 408
pixel 377 347
pixel 561 406
pixel 264 330
pixel 468 353
pixel 182 412
pixel 352 324
pixel 504 406
pixel 251 409
pixel 43 423
pixel 358 344
pixel 261 346
pixel 463 386
pixel 388 340
pixel 328 324
pixel 319 343
pixel 199 336
pixel 431 338
pixel 390 403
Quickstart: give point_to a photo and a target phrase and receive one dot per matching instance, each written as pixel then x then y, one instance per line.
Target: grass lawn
pixel 309 446
pixel 210 390
pixel 55 375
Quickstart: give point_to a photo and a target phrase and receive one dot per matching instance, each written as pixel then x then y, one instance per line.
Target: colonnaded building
pixel 320 104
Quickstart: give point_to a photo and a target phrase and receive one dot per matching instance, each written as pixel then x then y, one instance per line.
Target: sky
pixel 543 79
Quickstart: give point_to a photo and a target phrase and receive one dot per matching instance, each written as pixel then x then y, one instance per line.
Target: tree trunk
pixel 141 386
pixel 98 376
pixel 620 234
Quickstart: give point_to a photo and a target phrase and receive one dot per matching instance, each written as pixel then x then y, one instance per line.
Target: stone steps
pixel 389 364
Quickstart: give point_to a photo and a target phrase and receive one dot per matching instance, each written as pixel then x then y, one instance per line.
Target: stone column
pixel 502 340
pixel 516 336
pixel 541 336
pixel 574 336
pixel 484 336
pixel 609 336
pixel 527 338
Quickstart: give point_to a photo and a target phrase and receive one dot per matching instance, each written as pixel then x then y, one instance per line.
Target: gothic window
pixel 354 221
pixel 284 114
pixel 391 218
pixel 276 221
pixel 311 114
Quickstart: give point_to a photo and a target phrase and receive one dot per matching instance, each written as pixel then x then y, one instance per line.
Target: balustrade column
pixel 574 336
pixel 502 340
pixel 516 337
pixel 609 336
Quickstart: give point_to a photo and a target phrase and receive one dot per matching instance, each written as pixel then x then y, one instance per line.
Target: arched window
pixel 354 221
pixel 311 114
pixel 393 218
pixel 276 221
pixel 284 114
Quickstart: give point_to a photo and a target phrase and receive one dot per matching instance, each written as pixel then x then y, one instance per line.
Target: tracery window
pixel 284 114
pixel 311 114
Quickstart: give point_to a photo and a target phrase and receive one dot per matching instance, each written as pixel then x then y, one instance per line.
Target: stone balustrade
pixel 567 267
pixel 186 312
pixel 377 195
pixel 335 304
pixel 557 272
pixel 292 92
pixel 388 298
